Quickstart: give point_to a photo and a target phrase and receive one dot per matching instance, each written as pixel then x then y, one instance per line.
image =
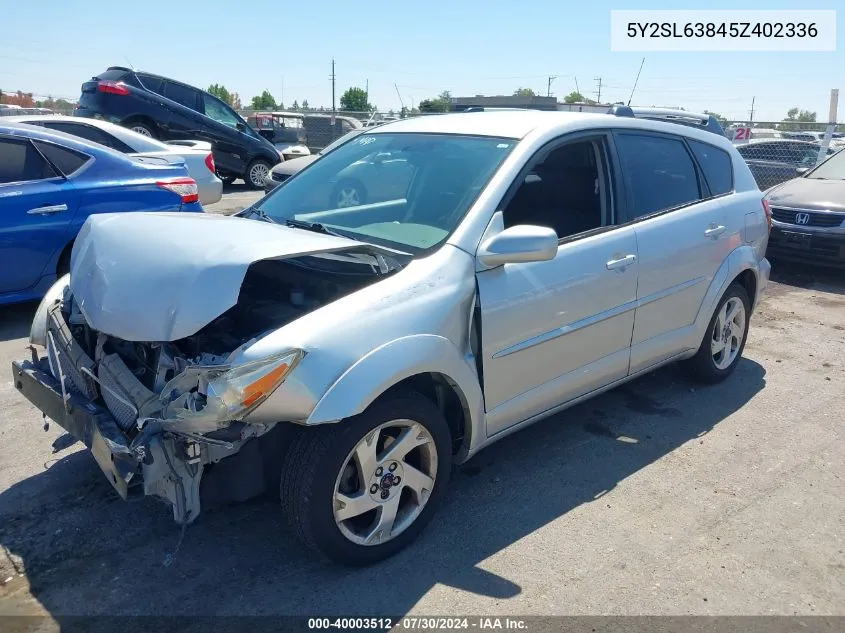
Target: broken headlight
pixel 211 396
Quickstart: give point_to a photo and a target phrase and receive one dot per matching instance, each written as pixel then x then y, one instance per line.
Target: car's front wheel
pixel 256 173
pixel 724 339
pixel 360 490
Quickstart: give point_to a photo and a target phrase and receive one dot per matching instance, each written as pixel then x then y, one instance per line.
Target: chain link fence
pixel 782 150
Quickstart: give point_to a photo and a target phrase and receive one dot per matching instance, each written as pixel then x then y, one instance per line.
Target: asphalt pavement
pixel 660 497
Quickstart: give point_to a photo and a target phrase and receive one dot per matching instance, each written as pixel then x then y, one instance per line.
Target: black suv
pixel 169 110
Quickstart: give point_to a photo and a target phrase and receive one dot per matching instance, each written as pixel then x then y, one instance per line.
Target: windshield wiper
pixel 261 213
pixel 312 226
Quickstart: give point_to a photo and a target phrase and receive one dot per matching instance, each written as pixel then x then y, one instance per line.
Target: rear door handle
pixel 714 231
pixel 55 208
pixel 614 264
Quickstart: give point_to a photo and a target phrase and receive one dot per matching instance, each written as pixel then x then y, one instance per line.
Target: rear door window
pixel 659 173
pixel 67 161
pixel 716 165
pixel 182 94
pixel 90 133
pixel 20 162
pixel 150 82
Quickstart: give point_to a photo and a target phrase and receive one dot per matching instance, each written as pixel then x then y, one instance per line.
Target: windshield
pixel 403 191
pixel 340 141
pixel 832 169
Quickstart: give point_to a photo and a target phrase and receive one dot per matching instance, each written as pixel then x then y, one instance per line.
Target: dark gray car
pixel 288 168
pixel 775 161
pixel 808 215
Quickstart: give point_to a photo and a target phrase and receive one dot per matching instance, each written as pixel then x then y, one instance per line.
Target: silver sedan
pixel 196 154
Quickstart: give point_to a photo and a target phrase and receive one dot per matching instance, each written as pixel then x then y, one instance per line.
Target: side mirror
pixel 802 170
pixel 241 127
pixel 519 244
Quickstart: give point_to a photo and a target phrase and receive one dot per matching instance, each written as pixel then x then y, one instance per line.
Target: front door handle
pixel 622 262
pixel 55 208
pixel 714 231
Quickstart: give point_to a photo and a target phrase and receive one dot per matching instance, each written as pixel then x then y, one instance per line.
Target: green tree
pixel 442 103
pixel 523 92
pixel 305 104
pixel 797 119
pixel 722 120
pixel 295 105
pixel 574 97
pixel 220 91
pixel 264 101
pixel 355 100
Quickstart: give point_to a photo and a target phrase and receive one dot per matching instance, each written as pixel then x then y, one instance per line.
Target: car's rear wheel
pixel 361 490
pixel 143 129
pixel 724 339
pixel 256 173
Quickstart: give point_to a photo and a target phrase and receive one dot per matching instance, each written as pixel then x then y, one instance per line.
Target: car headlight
pixel 203 399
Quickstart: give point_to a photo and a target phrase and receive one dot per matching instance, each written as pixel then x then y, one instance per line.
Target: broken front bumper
pixel 89 423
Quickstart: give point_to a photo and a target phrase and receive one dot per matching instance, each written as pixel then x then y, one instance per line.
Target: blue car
pixel 50 182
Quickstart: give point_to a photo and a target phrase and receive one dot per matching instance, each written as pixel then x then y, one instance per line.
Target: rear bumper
pixel 210 191
pixel 826 248
pixel 84 420
pixel 764 271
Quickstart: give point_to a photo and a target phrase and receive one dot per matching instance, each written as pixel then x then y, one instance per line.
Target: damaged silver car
pixel 348 356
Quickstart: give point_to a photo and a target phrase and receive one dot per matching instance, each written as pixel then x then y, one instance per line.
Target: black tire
pixel 143 128
pixel 251 177
pixel 348 184
pixel 702 367
pixel 314 462
pixel 63 265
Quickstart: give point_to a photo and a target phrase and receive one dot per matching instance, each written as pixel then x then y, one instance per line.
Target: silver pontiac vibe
pixel 494 268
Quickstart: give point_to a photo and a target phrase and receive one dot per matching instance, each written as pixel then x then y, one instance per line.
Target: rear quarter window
pixel 150 82
pixel 66 160
pixel 717 167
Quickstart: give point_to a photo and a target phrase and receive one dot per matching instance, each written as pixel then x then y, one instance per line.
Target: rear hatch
pixel 91 89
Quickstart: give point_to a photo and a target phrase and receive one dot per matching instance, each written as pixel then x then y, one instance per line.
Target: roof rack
pixel 691 119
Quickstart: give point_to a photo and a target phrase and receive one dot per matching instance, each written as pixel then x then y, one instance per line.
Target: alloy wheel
pixel 385 482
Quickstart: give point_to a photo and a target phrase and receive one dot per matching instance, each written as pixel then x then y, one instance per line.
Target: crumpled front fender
pixel 391 363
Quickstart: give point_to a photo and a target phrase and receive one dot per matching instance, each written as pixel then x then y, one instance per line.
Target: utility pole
pixel 282 100
pixel 598 92
pixel 334 108
pixel 367 91
pixel 549 88
pixel 751 113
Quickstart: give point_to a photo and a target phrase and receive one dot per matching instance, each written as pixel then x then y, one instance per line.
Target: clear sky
pixel 466 46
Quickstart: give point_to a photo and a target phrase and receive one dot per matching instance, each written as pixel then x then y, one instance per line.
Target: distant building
pixel 460 104
pixel 584 107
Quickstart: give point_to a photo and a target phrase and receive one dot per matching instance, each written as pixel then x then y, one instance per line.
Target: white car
pixel 197 154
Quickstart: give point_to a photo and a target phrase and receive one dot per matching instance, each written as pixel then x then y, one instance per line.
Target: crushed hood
pixel 163 276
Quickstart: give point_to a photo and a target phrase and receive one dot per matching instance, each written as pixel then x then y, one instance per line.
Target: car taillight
pixel 209 162
pixel 767 210
pixel 184 187
pixel 113 88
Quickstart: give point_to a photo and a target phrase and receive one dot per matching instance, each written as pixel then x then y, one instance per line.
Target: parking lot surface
pixel 660 497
